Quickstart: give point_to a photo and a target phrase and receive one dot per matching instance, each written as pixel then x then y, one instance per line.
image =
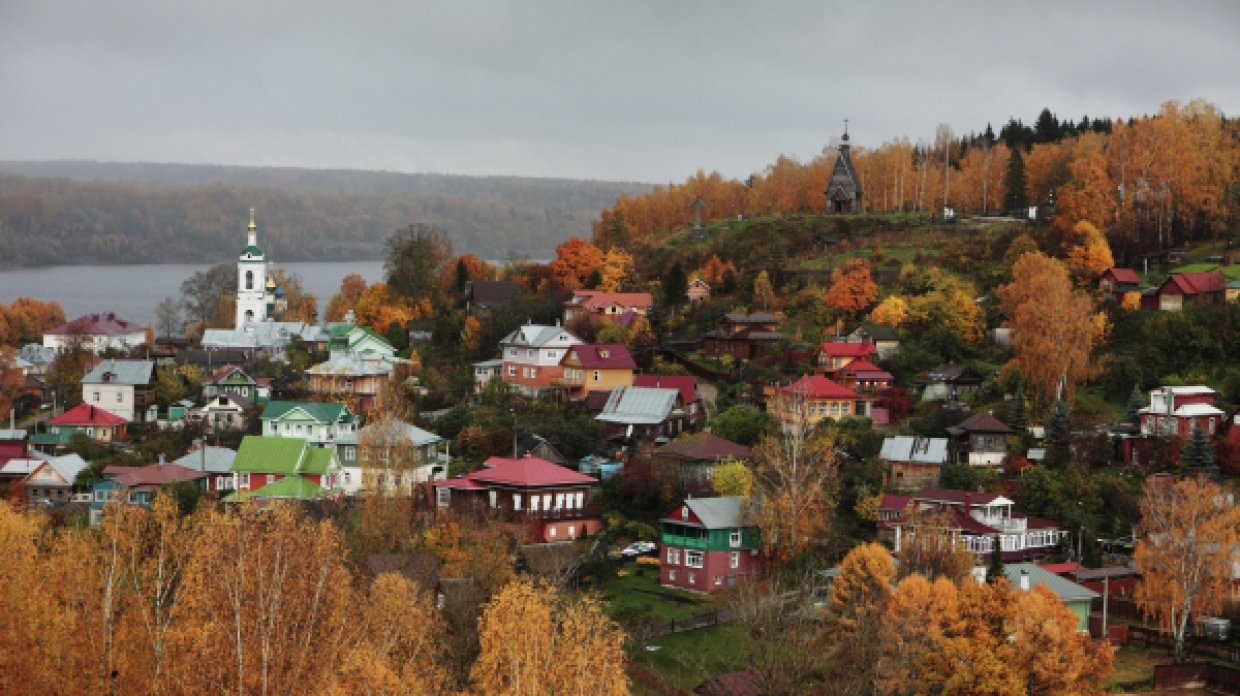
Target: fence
pixel 1216 678
pixel 646 630
pixel 1193 645
pixel 653 681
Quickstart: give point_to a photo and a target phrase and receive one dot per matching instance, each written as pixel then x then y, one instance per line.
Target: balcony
pixel 566 381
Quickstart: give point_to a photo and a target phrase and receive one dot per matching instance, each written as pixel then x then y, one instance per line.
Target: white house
pixel 96 333
pixel 532 356
pixel 391 455
pixel 123 388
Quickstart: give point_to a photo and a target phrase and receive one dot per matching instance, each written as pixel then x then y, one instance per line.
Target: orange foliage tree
pixel 574 261
pixel 1089 255
pixel 351 288
pixel 1184 553
pixel 715 270
pixel 379 306
pixel 1053 325
pixel 26 319
pixel 852 287
pixel 892 311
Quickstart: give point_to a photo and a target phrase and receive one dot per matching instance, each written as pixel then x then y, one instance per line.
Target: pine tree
pixel 1136 402
pixel 1197 456
pixel 1016 199
pixel 1017 416
pixel 995 570
pixel 675 285
pixel 1059 431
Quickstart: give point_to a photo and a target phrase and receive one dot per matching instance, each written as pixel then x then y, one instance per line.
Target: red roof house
pixel 1208 287
pixel 814 398
pixel 864 376
pixel 685 384
pixel 1117 281
pixel 94 422
pixel 547 501
pixel 834 355
pixel 979 520
pixel 606 304
pixel 591 367
pixel 98 332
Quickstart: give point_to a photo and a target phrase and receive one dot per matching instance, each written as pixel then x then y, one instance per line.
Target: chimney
pixel 1024 580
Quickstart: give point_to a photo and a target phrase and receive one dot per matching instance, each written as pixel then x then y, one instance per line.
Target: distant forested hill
pixel 101 213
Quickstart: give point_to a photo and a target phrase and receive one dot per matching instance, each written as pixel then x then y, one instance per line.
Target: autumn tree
pixel 1131 301
pixel 852 287
pixel 26 319
pixel 732 477
pixel 204 291
pixel 892 311
pixel 1089 254
pixel 11 379
pixel 574 260
pixel 930 547
pixel 379 306
pixel 299 304
pixel 414 260
pixel 764 293
pixel 794 487
pixel 714 269
pixel 1184 546
pixel 1053 325
pixel 1051 653
pixel 617 270
pixel 855 617
pixel 535 641
pixel 351 288
pixel 784 650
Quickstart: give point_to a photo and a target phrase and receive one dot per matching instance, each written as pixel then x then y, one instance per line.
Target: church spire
pixel 252 237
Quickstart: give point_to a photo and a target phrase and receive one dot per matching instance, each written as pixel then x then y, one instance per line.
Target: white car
pixel 637 548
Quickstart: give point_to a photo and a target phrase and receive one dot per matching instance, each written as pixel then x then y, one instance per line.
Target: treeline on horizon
pixel 1146 182
pixel 199 211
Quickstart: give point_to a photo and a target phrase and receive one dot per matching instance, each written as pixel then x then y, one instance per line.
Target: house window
pixel 534 503
pixel 350 454
pixel 596 375
pixel 734 538
pixel 494 496
pixel 512 370
pixel 734 559
pixel 581 499
pixel 245 480
pixel 547 501
pixel 100 496
pixel 120 397
pixel 95 396
pixel 552 531
pixel 718 580
pixel 692 578
pixel 559 501
pixel 529 353
pixel 249 280
pixel 693 559
pixel 443 496
pixel 516 501
pixel 684 512
pixel 673 556
pixel 671 576
pixel 572 531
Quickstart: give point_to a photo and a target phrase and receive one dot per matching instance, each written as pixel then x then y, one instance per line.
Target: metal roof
pixel 538 335
pixel 121 372
pixel 1065 589
pixel 924 450
pixel 638 405
pixel 714 513
pixel 216 460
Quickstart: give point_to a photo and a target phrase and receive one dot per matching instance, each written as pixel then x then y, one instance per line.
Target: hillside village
pixel 775 447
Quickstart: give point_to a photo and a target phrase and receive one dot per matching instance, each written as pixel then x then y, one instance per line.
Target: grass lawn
pixel 1195 268
pixel 687 659
pixel 1135 664
pixel 640 597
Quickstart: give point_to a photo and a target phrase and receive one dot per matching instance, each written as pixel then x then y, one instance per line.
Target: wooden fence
pixel 1193 645
pixel 1216 678
pixel 647 630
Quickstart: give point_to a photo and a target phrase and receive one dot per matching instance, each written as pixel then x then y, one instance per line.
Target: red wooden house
pixel 708 547
pixel 1180 289
pixel 552 502
pixel 1117 281
pixel 836 355
pixel 742 336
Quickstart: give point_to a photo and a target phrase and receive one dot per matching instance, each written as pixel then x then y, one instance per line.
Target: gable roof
pixel 955 497
pixel 281 455
pixel 215 460
pixel 96 325
pixel 85 414
pixel 704 447
pixel 638 405
pixel 949 372
pixel 527 472
pixel 1124 275
pixel 878 332
pixel 685 384
pixel 861 366
pixel 491 293
pixel 752 318
pixel 227 371
pixel 67 466
pixel 1194 283
pixel 847 349
pixel 818 387
pixel 603 356
pixel 595 300
pixel 319 411
pixel 152 475
pixel 120 372
pixel 714 513
pixel 981 423
pixel 288 488
pixel 538 335
pixel 1064 588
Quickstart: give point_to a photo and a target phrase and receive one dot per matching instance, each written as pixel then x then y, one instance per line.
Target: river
pixel 133 291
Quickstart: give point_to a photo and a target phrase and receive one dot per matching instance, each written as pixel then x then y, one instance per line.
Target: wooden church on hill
pixel 844 188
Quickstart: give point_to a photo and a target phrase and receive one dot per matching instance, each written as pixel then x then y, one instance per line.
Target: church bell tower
pixel 251 280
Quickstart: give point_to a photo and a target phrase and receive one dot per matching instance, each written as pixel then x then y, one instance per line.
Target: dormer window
pixel 603 354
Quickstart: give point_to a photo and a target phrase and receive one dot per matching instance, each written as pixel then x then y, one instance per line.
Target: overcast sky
pixel 622 90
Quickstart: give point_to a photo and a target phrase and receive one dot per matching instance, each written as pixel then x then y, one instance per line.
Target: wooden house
pixel 707 546
pixel 742 336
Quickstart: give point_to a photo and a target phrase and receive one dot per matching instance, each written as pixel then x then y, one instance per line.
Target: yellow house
pixel 596 367
pixel 812 399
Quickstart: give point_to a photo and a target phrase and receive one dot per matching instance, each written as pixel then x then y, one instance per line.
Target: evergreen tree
pixel 1046 129
pixel 1016 199
pixel 594 279
pixel 675 285
pixel 462 277
pixel 1017 417
pixel 995 570
pixel 1059 431
pixel 1197 456
pixel 398 335
pixel 1136 402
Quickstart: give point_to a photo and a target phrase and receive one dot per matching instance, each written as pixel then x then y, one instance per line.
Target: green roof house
pixel 316 422
pixel 262 461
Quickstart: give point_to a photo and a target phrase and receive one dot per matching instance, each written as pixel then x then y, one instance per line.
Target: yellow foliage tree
pixel 535 642
pixel 892 311
pixel 1184 553
pixel 732 477
pixel 794 490
pixel 1131 301
pixel 617 270
pixel 1089 255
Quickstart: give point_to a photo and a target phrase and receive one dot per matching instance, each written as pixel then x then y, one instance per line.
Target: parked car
pixel 638 548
